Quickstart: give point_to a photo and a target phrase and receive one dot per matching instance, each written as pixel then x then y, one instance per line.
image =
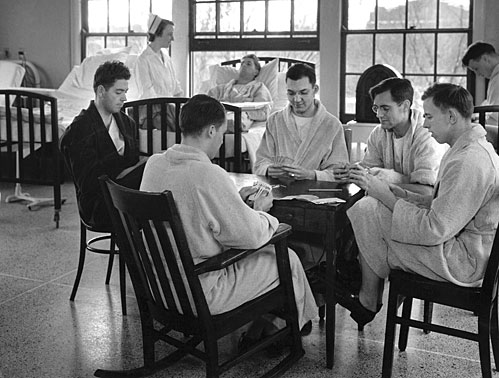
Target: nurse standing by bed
pixel 155 73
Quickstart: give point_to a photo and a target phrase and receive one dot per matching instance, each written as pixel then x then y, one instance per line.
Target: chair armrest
pixel 232 255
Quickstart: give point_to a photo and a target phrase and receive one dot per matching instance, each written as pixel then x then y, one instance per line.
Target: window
pixel 227 29
pixel 422 39
pixel 116 24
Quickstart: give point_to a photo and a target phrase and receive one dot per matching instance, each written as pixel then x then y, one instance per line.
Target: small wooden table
pixel 323 219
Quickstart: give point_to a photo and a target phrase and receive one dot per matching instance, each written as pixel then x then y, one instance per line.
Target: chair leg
pixel 111 259
pixel 484 344
pixel 322 313
pixel 389 335
pixel 427 314
pixel 81 261
pixel 494 333
pixel 404 329
pixel 122 284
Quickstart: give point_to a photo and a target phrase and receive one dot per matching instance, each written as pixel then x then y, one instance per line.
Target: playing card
pixel 263 189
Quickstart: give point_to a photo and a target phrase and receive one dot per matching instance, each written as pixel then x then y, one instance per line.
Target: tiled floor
pixel 43 334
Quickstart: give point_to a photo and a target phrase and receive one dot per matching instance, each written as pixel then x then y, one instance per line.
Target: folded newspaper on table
pixel 313 199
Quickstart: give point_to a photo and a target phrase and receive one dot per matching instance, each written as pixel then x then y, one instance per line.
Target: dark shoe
pixel 357 312
pixel 306 329
pixel 245 342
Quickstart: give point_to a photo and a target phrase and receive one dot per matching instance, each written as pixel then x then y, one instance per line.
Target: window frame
pixel 345 32
pixel 267 40
pixel 86 34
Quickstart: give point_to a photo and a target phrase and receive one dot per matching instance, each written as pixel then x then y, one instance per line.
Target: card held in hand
pixel 263 189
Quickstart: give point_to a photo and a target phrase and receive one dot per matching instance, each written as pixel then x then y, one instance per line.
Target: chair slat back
pixel 153 242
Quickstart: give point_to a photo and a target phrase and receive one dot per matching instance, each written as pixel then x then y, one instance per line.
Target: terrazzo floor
pixel 43 334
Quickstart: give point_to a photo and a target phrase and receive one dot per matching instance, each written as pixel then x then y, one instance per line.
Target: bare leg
pixel 371 288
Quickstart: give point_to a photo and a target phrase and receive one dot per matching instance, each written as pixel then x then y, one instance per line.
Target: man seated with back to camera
pixel 445 236
pixel 216 217
pixel 246 89
pixel 101 140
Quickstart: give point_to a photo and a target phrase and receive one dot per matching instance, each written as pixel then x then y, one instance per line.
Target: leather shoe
pixel 357 311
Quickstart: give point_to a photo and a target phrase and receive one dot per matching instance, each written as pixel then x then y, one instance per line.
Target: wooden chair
pixel 482 112
pixel 482 301
pixel 93 245
pixel 169 293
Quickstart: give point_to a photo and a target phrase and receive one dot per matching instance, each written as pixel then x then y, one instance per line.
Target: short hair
pixel 255 59
pixel 108 72
pixel 476 50
pixel 446 96
pixel 200 111
pixel 400 89
pixel 163 24
pixel 300 70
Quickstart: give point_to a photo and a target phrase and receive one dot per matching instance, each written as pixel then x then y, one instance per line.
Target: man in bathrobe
pixel 399 149
pixel 101 140
pixel 303 141
pixel 216 217
pixel 446 236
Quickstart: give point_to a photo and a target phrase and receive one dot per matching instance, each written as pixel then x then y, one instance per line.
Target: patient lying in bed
pixel 246 89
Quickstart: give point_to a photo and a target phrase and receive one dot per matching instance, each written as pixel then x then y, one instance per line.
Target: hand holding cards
pixel 263 189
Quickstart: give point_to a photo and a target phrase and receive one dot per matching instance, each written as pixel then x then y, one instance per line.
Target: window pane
pixel 253 16
pixel 139 13
pixel 97 16
pixel 450 50
pixel 94 44
pixel 205 18
pixel 422 14
pixel 459 80
pixel 118 17
pixel 361 14
pixel 138 44
pixel 163 8
pixel 116 42
pixel 391 14
pixel 279 15
pixel 229 17
pixel 420 53
pixel 350 86
pixel 389 50
pixel 454 14
pixel 420 84
pixel 305 14
pixel 359 53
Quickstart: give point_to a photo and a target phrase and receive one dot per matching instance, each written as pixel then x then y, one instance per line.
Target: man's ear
pixel 453 116
pixel 212 131
pixel 316 88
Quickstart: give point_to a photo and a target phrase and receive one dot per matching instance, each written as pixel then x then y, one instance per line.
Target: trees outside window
pixel 422 39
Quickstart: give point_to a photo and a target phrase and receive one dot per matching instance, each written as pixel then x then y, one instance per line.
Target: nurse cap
pixel 153 23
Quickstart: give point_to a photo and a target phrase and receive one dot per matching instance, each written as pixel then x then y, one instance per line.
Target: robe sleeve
pixel 462 190
pixel 426 154
pixel 233 223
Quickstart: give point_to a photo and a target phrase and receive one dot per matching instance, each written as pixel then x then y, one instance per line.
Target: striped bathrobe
pixel 452 239
pixel 215 218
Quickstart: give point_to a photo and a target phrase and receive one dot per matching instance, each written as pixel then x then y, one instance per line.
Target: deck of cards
pixel 263 189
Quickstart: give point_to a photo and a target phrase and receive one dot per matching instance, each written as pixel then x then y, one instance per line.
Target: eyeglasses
pixel 384 108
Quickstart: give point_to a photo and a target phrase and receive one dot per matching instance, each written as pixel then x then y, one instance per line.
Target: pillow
pixel 267 75
pixel 11 74
pixel 84 77
pixel 281 99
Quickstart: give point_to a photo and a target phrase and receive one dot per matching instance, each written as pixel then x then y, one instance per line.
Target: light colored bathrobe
pixel 322 147
pixel 452 239
pixel 254 91
pixel 421 154
pixel 215 218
